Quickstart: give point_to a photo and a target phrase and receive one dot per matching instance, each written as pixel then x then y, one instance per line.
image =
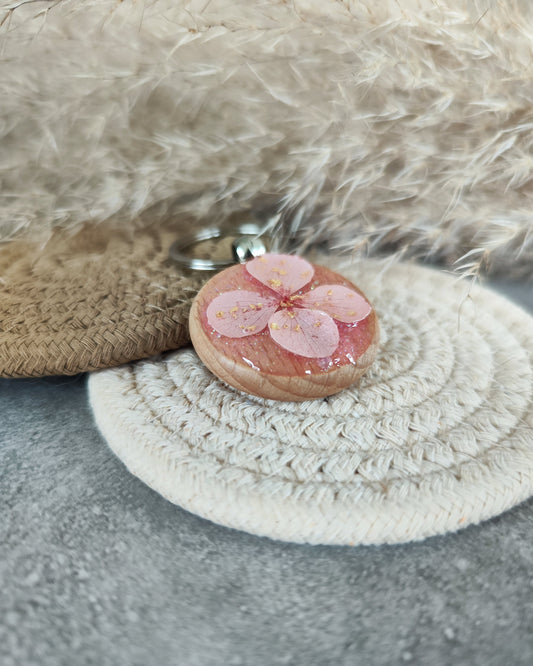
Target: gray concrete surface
pixel 95 568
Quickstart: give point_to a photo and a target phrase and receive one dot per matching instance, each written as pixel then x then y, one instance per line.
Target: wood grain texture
pixel 258 366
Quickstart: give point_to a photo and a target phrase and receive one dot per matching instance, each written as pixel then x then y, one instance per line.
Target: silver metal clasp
pixel 216 248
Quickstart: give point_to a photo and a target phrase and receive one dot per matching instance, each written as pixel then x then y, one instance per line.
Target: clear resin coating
pixel 282 317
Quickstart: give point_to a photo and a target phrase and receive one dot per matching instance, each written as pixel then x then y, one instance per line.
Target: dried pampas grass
pixel 399 125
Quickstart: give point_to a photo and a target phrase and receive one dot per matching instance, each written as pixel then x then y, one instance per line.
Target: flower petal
pixel 340 302
pixel 283 273
pixel 239 313
pixel 307 333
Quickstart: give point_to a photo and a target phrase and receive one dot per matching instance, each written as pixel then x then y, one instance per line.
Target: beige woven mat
pixel 90 301
pixel 438 435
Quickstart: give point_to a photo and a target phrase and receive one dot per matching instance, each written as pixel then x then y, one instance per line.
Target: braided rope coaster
pixel 90 301
pixel 437 435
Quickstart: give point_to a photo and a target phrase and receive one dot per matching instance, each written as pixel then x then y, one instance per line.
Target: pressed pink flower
pixel 303 324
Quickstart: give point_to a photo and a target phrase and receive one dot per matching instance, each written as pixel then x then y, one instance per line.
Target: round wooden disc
pixel 259 365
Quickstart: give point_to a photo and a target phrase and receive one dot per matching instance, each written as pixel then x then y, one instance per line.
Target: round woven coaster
pixel 437 435
pixel 94 300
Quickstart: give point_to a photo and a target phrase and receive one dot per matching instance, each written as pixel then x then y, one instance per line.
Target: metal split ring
pixel 248 242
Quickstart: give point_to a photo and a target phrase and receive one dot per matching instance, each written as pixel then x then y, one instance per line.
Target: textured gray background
pixel 96 568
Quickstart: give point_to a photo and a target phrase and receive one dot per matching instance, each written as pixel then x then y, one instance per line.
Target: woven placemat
pixel 94 300
pixel 438 434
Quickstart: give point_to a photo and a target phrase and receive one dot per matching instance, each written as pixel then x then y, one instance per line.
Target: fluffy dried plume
pixel 368 126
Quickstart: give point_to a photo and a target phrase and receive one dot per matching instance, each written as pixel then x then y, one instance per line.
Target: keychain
pixel 275 325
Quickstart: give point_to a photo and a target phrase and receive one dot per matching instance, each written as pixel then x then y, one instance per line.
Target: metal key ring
pixel 250 241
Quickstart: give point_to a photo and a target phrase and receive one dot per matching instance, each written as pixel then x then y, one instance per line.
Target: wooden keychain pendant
pixel 282 328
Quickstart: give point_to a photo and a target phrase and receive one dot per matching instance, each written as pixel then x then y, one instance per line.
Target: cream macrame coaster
pixel 438 434
pixel 93 300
